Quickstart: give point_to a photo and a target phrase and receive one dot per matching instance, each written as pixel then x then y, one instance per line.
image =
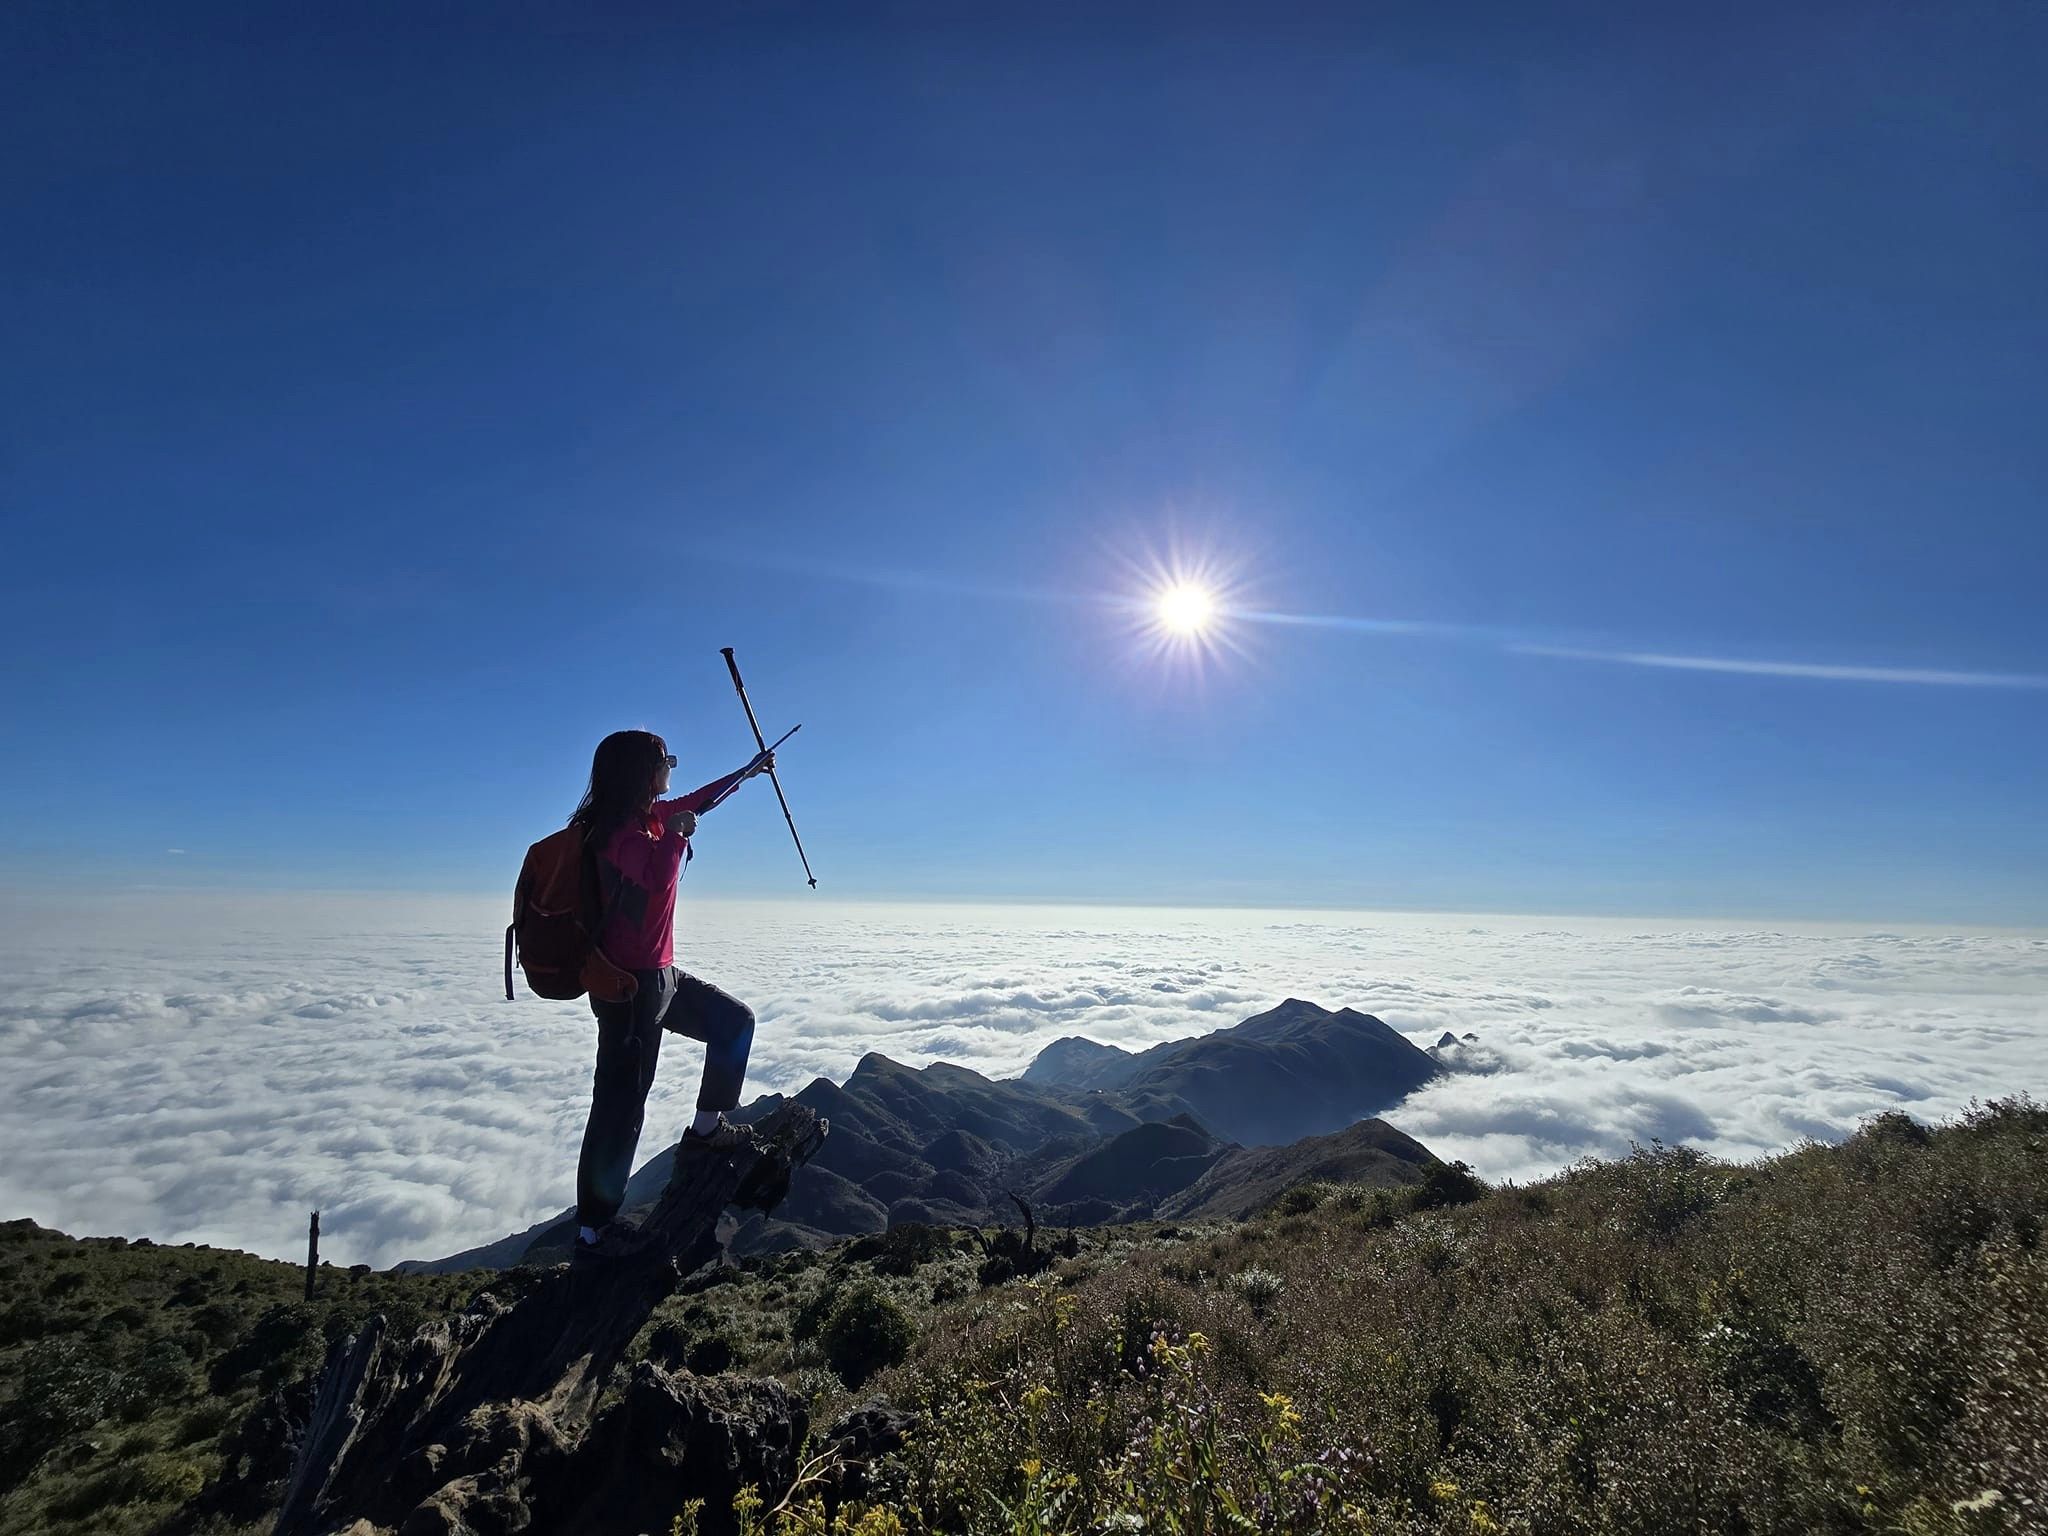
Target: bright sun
pixel 1186 610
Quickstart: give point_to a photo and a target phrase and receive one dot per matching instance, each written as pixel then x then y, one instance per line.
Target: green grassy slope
pixel 122 1364
pixel 1849 1339
pixel 1846 1339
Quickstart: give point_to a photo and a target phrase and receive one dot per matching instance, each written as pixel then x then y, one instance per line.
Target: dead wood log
pixel 1030 1223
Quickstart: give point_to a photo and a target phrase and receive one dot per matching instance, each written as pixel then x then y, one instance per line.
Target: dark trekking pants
pixel 628 1045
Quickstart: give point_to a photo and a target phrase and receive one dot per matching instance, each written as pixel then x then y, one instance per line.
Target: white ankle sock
pixel 586 1234
pixel 705 1123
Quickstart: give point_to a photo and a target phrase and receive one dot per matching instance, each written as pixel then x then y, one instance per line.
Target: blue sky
pixel 392 404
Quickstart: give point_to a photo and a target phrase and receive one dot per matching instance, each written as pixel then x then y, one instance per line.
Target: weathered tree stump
pixel 487 1421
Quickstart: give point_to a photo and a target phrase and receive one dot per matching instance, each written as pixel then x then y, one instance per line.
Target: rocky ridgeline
pixel 497 1419
pixel 1195 1129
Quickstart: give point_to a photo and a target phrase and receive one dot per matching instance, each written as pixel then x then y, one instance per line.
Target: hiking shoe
pixel 615 1240
pixel 722 1137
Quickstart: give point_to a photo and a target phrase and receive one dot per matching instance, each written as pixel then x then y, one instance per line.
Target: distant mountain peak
pixel 1077 1062
pixel 1295 1069
pixel 1091 1130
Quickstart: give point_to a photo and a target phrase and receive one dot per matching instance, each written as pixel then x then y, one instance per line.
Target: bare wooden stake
pixel 312 1252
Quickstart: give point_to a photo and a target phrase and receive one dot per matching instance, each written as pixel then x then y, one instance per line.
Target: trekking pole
pixel 762 742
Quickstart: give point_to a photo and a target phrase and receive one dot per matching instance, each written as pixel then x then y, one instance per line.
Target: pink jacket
pixel 638 870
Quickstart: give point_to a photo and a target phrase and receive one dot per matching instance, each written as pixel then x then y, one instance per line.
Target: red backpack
pixel 556 918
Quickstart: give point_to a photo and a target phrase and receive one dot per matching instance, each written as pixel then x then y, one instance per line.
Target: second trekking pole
pixel 762 742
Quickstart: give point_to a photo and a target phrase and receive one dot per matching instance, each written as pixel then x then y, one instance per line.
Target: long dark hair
pixel 622 775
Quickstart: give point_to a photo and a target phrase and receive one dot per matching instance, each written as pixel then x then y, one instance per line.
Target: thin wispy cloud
pixel 1358 624
pixel 1141 599
pixel 1506 641
pixel 1926 677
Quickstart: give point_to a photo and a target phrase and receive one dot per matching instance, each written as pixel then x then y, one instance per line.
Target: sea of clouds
pixel 208 1068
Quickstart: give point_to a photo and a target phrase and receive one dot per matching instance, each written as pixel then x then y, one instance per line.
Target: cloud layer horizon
pixel 211 1068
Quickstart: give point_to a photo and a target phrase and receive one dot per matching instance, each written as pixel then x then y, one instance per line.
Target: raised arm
pixel 699 800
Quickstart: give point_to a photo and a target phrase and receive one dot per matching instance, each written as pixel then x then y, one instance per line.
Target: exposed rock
pixel 1454 1053
pixel 486 1422
pixel 856 1438
pixel 672 1438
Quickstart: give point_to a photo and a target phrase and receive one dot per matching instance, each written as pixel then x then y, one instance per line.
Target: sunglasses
pixel 669 762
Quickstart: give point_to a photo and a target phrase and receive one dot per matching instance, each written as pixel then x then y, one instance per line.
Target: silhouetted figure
pixel 641 843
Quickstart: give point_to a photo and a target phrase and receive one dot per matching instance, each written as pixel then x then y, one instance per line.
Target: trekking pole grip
pixel 747 704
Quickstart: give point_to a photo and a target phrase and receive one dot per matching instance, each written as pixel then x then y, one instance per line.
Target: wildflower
pixel 1036 1397
pixel 1286 1420
pixel 1198 1343
pixel 1443 1490
pixel 1481 1520
pixel 1031 1466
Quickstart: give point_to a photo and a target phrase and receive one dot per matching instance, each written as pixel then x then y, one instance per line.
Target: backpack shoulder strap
pixel 518 912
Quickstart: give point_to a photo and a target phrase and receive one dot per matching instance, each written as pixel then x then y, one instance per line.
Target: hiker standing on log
pixel 641 843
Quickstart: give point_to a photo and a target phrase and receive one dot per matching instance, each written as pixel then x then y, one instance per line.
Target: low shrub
pixel 712 1353
pixel 161 1378
pixel 1302 1198
pixel 864 1333
pixel 59 1389
pixel 1259 1287
pixel 1447 1184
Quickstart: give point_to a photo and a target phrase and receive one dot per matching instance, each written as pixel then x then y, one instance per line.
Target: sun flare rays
pixel 1183 609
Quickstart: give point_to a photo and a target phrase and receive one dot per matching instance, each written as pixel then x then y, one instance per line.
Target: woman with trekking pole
pixel 641 843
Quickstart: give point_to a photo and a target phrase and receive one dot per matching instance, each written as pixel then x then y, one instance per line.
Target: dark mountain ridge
pixel 1295 1070
pixel 1087 1133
